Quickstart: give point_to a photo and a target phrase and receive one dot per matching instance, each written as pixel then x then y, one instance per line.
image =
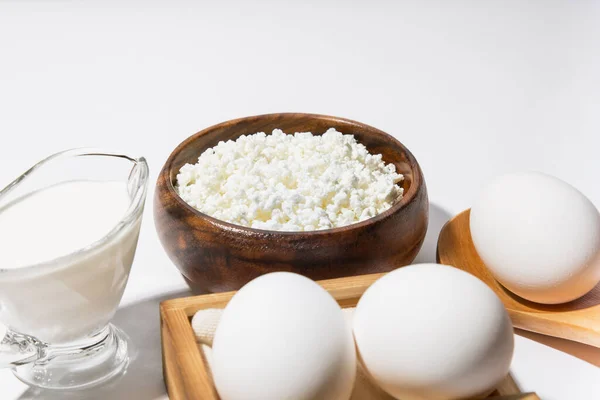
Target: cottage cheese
pixel 299 182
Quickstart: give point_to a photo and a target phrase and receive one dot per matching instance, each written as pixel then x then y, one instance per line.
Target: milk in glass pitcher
pixel 69 228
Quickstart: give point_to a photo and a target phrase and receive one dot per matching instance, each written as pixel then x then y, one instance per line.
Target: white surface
pixel 430 332
pixel 549 226
pixel 292 336
pixel 473 90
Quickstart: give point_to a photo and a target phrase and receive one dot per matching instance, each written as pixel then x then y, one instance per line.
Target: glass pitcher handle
pixel 18 349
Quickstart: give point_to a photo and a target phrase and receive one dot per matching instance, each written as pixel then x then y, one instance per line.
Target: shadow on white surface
pixel 143 379
pixel 437 218
pixel 589 354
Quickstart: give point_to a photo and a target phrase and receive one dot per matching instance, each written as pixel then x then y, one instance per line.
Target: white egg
pixel 430 331
pixel 282 336
pixel 539 236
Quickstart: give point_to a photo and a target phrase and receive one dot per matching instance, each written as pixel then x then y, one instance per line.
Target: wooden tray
pixel 186 373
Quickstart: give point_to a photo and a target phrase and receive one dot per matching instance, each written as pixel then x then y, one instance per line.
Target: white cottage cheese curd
pixel 299 182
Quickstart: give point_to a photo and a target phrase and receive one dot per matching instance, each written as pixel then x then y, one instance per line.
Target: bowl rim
pixel 407 197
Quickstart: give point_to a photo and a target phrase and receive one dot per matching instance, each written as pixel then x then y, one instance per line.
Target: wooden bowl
pixel 219 256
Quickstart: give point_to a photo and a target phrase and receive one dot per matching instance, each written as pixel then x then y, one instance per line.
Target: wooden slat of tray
pixel 186 371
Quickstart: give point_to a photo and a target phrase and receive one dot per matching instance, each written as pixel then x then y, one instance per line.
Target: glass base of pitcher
pixel 96 360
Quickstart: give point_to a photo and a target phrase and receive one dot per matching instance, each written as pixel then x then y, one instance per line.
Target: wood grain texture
pixel 187 374
pixel 217 256
pixel 578 320
pixel 507 386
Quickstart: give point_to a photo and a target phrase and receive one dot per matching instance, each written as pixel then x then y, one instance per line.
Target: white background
pixel 473 89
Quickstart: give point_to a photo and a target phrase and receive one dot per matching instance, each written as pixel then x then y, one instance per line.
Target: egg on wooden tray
pixel 425 331
pixel 433 332
pixel 282 336
pixel 539 236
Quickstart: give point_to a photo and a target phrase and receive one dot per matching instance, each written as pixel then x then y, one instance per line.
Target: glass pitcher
pixel 57 312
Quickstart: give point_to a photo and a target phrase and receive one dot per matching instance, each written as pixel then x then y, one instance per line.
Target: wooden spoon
pixel 578 320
